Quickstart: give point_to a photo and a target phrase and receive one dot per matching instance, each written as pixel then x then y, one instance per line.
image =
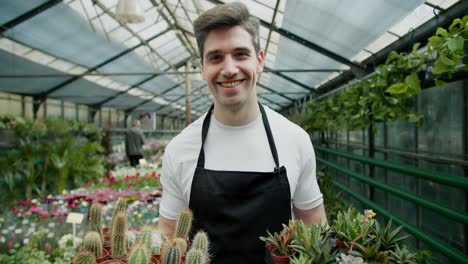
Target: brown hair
pixel 226 15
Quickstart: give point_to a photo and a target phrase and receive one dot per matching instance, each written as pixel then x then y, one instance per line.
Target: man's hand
pixel 167 226
pixel 312 216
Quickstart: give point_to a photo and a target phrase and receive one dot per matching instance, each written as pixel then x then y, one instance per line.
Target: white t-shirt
pixel 243 148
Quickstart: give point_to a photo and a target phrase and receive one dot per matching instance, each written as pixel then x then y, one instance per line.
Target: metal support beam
pixel 310 89
pixel 275 92
pixel 186 42
pixel 92 113
pixel 31 13
pixel 111 59
pixel 188 111
pixel 131 109
pixel 273 23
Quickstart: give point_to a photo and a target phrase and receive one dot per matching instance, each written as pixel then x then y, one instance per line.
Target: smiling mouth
pixel 230 84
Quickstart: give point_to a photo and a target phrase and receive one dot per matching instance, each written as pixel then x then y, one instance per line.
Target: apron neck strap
pixel 266 124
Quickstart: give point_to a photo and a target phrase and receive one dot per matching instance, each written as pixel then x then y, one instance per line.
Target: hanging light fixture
pixel 129 11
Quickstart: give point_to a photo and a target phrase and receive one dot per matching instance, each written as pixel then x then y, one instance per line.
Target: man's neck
pixel 237 116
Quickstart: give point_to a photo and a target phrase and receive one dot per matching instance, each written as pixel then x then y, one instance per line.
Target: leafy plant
pixel 281 242
pixel 388 238
pixel 313 242
pixel 352 226
pixel 403 256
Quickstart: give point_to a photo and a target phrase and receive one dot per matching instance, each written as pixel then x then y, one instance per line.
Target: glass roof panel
pixel 62 32
pixel 124 101
pixel 12 9
pixel 83 92
pixel 443 3
pixel 13 64
pixel 416 18
pixel 380 43
pixel 343 26
pixel 158 84
pixel 13 47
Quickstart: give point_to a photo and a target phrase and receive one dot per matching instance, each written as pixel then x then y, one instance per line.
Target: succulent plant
pixel 200 241
pixel 95 218
pixel 195 256
pixel 184 223
pixel 84 257
pixel 145 237
pixel 171 254
pixel 181 243
pixel 349 259
pixel 389 238
pixel 139 255
pixel 119 236
pixel 403 256
pixel 92 242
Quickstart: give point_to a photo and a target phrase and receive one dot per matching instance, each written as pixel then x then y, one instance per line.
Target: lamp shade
pixel 129 11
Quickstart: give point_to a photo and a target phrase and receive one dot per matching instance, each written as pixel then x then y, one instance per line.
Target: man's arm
pixel 167 226
pixel 312 216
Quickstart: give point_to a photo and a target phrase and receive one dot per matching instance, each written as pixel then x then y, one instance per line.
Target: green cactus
pixel 95 218
pixel 119 236
pixel 92 242
pixel 145 237
pixel 84 257
pixel 120 207
pixel 171 254
pixel 195 256
pixel 200 241
pixel 184 223
pixel 139 255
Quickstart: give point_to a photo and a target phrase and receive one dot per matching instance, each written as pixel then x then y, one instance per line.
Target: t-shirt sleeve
pixel 307 194
pixel 172 201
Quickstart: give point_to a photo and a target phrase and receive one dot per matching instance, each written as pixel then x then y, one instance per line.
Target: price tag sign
pixel 75 218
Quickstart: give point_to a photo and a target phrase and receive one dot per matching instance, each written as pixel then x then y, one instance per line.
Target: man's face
pixel 230 66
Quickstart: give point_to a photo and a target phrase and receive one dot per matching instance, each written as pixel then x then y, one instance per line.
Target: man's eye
pixel 214 58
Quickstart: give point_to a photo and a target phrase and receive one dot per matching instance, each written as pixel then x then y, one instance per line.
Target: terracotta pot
pixel 280 259
pixel 112 261
pixel 156 258
pixel 104 256
pixel 106 230
pixel 107 243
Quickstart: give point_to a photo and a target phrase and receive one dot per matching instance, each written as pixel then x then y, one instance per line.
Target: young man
pixel 134 142
pixel 242 166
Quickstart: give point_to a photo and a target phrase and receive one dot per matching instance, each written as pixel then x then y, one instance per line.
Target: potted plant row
pixel 353 238
pixel 121 244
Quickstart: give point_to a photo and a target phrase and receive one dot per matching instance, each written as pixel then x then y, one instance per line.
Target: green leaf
pixel 445 60
pixel 412 81
pixel 397 88
pixel 392 56
pixel 435 40
pixel 441 32
pixel 456 44
pixel 454 23
pixel 416 46
pixel 440 83
pixel 440 67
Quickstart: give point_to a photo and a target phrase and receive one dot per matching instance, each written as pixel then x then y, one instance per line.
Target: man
pixel 134 142
pixel 243 166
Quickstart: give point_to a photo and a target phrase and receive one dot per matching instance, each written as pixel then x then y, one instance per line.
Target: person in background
pixel 134 141
pixel 242 168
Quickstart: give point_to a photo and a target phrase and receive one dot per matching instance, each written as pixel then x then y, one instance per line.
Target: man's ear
pixel 200 62
pixel 260 59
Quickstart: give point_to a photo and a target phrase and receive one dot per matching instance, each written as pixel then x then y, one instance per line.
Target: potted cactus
pixel 92 242
pixel 139 255
pixel 171 253
pixel 84 257
pixel 119 237
pixel 184 224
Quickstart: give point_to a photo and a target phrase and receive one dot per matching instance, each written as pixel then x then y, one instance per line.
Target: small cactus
pixel 95 218
pixel 182 244
pixel 145 237
pixel 139 255
pixel 171 254
pixel 200 241
pixel 92 242
pixel 119 236
pixel 184 223
pixel 195 256
pixel 120 207
pixel 84 257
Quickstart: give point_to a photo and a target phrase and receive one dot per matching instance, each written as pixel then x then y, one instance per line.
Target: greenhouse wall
pixel 439 145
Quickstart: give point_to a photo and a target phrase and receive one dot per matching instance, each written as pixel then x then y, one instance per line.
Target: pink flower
pixel 86 185
pixel 48 247
pixel 61 221
pixel 10 244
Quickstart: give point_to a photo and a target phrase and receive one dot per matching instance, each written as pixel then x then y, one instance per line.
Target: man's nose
pixel 229 67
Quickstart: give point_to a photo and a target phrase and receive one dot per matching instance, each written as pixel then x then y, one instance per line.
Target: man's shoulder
pixel 188 139
pixel 282 124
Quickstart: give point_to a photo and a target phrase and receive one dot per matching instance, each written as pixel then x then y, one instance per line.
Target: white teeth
pixel 230 84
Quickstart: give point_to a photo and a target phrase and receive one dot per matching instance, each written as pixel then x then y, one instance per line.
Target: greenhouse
pixel 249 131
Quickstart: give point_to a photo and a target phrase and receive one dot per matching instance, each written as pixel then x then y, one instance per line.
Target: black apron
pixel 235 208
